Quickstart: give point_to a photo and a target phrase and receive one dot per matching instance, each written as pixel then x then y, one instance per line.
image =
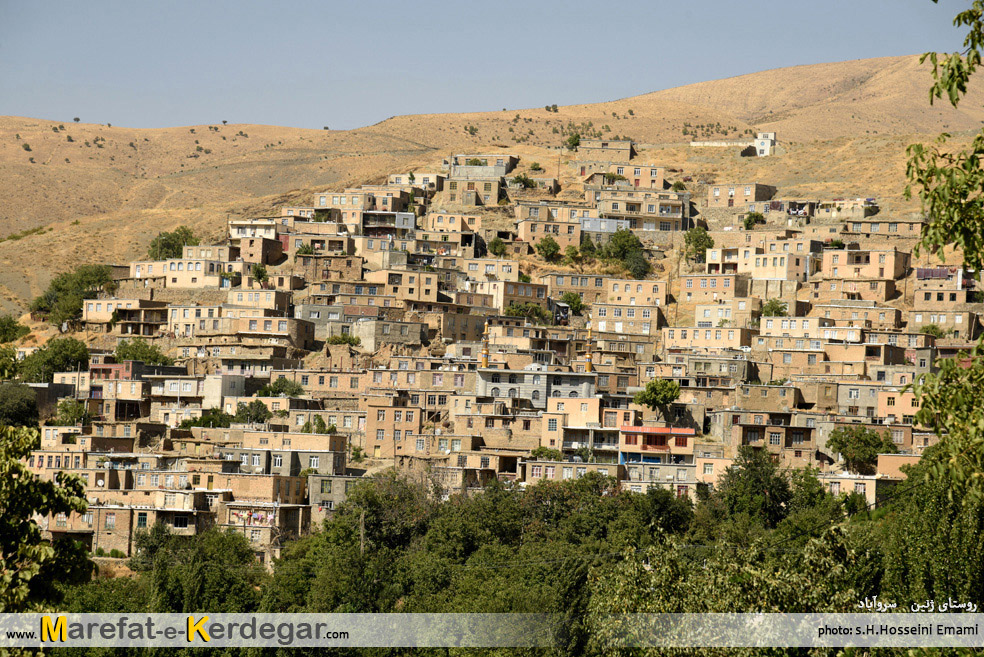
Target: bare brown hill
pixel 823 101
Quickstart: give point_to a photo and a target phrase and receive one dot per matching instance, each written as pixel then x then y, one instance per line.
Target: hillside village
pixel 493 318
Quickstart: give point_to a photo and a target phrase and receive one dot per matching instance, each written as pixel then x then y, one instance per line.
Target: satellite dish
pixel 100 483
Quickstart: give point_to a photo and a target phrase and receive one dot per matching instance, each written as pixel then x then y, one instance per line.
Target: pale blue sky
pixel 347 64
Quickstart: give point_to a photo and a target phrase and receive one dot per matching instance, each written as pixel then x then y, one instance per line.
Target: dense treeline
pixel 581 548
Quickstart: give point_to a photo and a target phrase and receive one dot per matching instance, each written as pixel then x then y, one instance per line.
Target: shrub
pixel 497 247
pixel 753 218
pixel 524 181
pixel 546 454
pixel 530 311
pixel 140 349
pixel 11 329
pixel 282 387
pixel 350 340
pixel 547 248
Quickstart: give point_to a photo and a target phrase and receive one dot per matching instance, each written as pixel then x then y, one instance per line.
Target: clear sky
pixel 348 63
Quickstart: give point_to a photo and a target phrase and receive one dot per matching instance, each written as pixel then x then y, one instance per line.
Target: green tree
pixel 147 544
pixel 754 487
pixel 260 273
pixel 524 181
pixel 11 329
pixel 753 218
pixel 637 265
pixel 282 387
pixel 625 248
pixel 542 453
pixel 255 412
pixel 140 349
pixel 573 142
pixel 548 248
pixel 860 447
pixel 18 405
pixel 678 186
pixel 774 308
pixel 213 417
pixel 573 299
pixel 62 301
pixel 319 425
pixel 171 245
pixel 71 412
pixel 658 395
pixel 936 536
pixel 58 355
pixel 588 249
pixel 530 311
pixel 948 183
pixel 212 571
pixel 572 255
pixel 697 241
pixel 497 247
pixel 34 569
pixel 933 330
pixel 8 363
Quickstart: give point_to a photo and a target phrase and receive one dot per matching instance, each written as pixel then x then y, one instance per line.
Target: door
pixel 731 203
pixel 583 171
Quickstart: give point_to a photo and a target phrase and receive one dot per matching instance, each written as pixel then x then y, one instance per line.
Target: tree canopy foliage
pixel 282 387
pixel 497 247
pixel 948 183
pixel 547 248
pixel 58 355
pixel 530 311
pixel 11 329
pixel 574 300
pixel 62 301
pixel 140 349
pixel 18 405
pixel 171 245
pixel 34 569
pixel 213 417
pixel 860 447
pixel 255 412
pixel 774 308
pixel 697 241
pixel 658 395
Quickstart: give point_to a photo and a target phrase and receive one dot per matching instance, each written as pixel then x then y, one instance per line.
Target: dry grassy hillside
pixel 825 101
pixel 101 193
